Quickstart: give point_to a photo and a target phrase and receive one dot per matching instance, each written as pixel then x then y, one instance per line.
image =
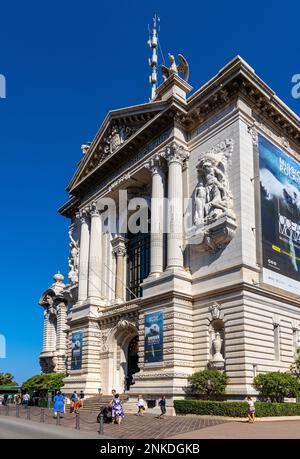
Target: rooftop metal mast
pixel 153 61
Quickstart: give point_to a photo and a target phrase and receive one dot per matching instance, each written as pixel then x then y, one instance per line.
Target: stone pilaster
pixel 52 332
pixel 95 256
pixel 119 249
pixel 46 337
pixel 175 155
pixel 83 257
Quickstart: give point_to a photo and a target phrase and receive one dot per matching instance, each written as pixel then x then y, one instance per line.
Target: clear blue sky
pixel 68 63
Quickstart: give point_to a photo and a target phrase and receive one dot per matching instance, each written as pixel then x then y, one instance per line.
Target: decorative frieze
pixel 159 375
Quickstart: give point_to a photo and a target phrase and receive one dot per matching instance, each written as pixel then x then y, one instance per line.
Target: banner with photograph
pixel 280 217
pixel 76 350
pixel 154 322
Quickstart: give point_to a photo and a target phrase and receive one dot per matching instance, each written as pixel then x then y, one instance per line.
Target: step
pixel 94 403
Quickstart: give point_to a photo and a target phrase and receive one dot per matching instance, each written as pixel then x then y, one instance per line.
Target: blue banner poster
pixel 76 350
pixel 154 322
pixel 280 217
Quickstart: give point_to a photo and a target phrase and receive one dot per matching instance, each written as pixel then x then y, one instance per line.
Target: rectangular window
pixel 138 264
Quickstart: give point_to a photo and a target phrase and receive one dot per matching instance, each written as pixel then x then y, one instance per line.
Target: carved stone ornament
pixel 214 220
pixel 115 137
pixel 218 359
pixel 175 153
pixel 73 260
pixel 123 324
pixel 214 310
pixel 254 134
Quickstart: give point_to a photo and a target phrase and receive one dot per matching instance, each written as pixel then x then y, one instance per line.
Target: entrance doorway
pixel 132 361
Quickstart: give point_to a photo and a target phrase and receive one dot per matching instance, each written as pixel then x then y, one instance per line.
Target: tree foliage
pixel 209 383
pixel 276 386
pixel 295 367
pixel 7 379
pixel 47 381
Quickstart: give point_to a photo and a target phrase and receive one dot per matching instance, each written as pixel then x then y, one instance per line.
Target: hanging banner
pixel 76 350
pixel 154 337
pixel 280 217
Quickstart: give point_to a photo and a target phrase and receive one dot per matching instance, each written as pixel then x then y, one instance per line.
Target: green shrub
pixel 235 409
pixel 47 381
pixel 276 386
pixel 210 383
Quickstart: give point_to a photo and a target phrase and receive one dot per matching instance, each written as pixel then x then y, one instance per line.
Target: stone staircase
pixel 93 404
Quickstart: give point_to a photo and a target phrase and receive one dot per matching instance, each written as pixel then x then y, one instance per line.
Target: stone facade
pixel 196 160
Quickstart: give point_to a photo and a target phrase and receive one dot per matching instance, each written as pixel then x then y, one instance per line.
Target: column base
pixel 90 384
pixel 173 278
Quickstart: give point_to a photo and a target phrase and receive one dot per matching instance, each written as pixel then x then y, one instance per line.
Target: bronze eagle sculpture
pixel 181 68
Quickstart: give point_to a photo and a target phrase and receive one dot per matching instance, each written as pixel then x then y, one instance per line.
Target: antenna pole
pixel 153 61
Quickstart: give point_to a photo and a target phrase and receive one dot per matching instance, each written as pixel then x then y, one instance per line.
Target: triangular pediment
pixel 116 130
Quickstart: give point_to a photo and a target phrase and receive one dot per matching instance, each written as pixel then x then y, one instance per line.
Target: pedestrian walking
pixel 81 397
pixel 59 406
pixel 117 409
pixel 26 400
pixel 18 399
pixel 251 409
pixel 141 406
pixel 162 405
pixel 5 399
pixel 74 400
pixel 113 393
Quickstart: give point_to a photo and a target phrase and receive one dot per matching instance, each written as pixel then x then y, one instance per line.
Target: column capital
pixel 154 165
pixel 94 211
pixel 119 251
pixel 175 153
pixel 83 215
pixel 119 246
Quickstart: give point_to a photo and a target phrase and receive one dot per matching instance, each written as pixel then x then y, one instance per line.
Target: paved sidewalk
pixel 132 427
pixel 287 429
pixel 149 427
pixel 18 429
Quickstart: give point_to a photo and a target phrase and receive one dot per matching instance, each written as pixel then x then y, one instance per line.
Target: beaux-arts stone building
pixel 219 283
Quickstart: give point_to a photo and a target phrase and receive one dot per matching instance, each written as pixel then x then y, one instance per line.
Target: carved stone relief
pixel 214 220
pixel 73 260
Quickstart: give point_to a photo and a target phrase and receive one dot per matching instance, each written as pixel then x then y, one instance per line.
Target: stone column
pixel 46 337
pixel 61 340
pixel 119 249
pixel 83 257
pixel 175 155
pixel 157 216
pixel 95 256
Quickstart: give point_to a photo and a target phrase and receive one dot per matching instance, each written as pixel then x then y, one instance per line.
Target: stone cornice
pixel 120 309
pixel 238 79
pixel 241 288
